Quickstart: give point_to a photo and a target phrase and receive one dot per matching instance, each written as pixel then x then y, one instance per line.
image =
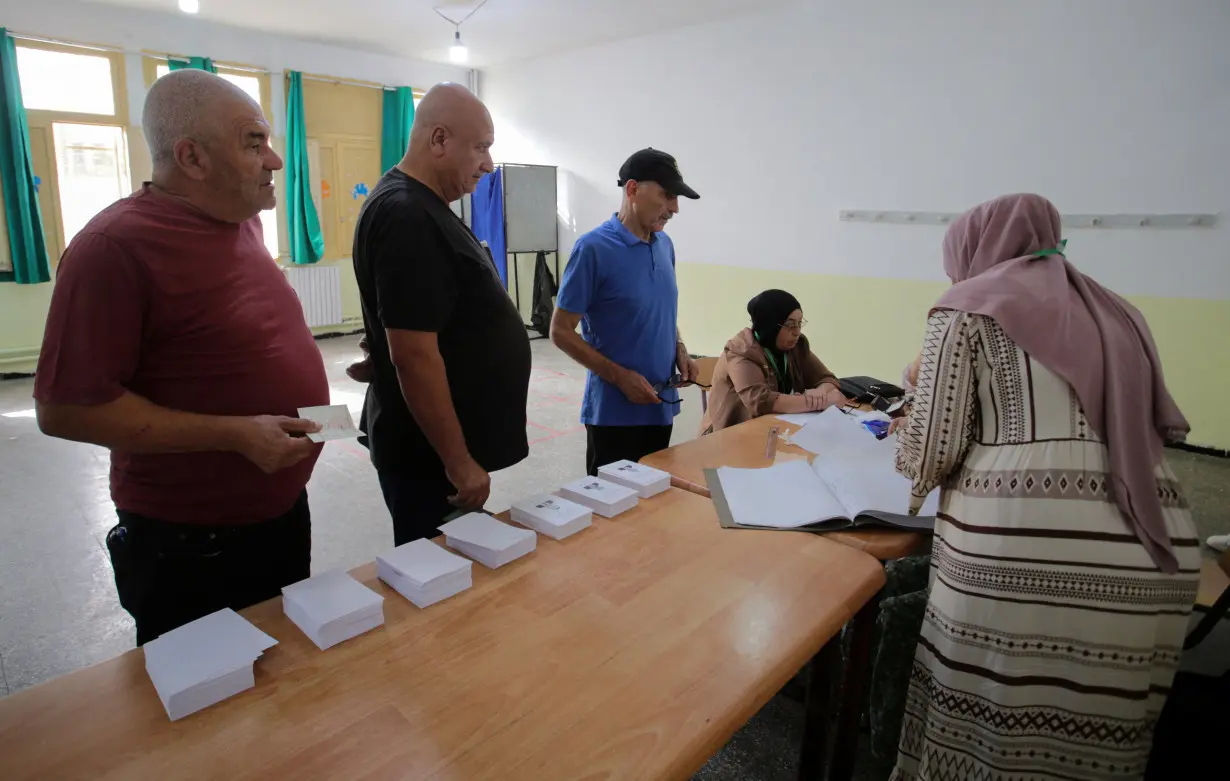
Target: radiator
pixel 320 291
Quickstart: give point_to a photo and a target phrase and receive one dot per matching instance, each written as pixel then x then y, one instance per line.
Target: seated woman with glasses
pixel 769 368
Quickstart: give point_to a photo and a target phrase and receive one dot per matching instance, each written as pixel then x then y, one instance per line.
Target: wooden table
pixel 1212 598
pixel 744 446
pixel 633 650
pixel 1214 580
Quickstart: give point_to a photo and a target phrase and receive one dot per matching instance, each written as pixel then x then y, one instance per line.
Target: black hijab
pixel 769 310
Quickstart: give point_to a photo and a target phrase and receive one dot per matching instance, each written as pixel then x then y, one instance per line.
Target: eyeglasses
pixel 792 325
pixel 676 381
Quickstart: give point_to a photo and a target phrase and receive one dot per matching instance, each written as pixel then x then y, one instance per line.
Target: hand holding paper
pixel 335 423
pixel 270 441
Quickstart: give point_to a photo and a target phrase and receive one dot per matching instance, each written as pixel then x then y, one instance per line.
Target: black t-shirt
pixel 420 268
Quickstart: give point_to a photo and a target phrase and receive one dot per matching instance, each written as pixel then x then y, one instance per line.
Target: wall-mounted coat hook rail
pixel 1069 220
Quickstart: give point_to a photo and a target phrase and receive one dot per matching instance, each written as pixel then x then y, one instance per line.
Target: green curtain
pixel 195 63
pixel 395 130
pixel 25 224
pixel 307 244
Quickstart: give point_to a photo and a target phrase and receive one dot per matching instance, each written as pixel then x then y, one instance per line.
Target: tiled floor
pixel 58 610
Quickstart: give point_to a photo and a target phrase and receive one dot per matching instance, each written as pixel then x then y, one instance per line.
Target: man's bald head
pixel 450 140
pixel 187 103
pixel 210 144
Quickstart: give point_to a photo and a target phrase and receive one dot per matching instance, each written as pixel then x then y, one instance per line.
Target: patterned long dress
pixel 1051 639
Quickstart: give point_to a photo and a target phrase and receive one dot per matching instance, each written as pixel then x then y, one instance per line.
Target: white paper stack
pixel 488 541
pixel 645 480
pixel 552 516
pixel 204 662
pixel 332 607
pixel 424 573
pixel 602 496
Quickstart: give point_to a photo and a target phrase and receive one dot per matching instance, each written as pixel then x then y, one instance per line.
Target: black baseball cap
pixel 650 165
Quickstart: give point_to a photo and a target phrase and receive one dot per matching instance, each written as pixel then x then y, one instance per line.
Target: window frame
pixel 43 121
pixel 151 60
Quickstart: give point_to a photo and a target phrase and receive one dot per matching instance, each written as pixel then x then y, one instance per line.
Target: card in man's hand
pixel 335 422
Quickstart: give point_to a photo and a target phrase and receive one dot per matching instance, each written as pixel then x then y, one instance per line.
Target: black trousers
pixel 417 500
pixel 608 444
pixel 169 574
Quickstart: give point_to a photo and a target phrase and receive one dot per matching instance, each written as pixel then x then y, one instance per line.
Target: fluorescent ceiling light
pixel 190 6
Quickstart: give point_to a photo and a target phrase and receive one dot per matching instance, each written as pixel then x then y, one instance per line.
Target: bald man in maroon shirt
pixel 175 341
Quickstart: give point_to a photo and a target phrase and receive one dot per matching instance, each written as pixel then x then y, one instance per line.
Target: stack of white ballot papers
pixel 645 480
pixel 602 496
pixel 332 607
pixel 204 662
pixel 552 516
pixel 424 573
pixel 490 542
pixel 852 481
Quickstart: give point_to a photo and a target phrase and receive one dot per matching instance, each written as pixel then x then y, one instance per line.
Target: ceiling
pixel 500 32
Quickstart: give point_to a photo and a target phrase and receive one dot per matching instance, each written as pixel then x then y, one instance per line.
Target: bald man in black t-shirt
pixel 450 357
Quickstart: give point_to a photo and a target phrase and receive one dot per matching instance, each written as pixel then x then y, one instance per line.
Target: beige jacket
pixel 744 386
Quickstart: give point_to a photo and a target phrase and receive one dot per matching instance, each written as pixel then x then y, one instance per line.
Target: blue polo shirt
pixel 624 289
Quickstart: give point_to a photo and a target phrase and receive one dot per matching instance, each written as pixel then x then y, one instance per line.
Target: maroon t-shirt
pixel 157 298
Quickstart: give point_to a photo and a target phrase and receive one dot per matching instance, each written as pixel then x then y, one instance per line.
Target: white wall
pixel 138 30
pixel 782 119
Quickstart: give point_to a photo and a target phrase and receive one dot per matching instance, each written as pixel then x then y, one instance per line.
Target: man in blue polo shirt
pixel 620 286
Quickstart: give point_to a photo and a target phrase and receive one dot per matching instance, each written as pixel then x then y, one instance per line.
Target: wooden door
pixel 327 176
pixel 358 173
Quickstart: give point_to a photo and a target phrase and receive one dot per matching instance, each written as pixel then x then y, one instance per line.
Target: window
pixel 251 84
pixel 76 107
pixel 269 226
pixel 92 163
pixel 248 83
pixel 59 81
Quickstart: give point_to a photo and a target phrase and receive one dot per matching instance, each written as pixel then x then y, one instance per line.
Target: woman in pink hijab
pixel 1065 560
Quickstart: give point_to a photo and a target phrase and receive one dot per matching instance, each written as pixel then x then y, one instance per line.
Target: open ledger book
pixel 851 482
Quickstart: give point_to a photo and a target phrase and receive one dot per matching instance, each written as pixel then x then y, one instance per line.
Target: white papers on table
pixel 836 432
pixel 602 496
pixel 645 480
pixel 798 418
pixel 784 496
pixel 490 542
pixel 335 422
pixel 552 516
pixel 204 662
pixel 852 474
pixel 861 470
pixel 424 573
pixel 803 418
pixel 332 607
pixel 870 414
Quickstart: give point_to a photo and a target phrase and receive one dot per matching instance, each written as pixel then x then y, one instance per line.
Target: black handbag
pixel 868 390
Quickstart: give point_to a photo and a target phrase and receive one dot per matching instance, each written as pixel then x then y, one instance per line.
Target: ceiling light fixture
pixel 190 6
pixel 458 54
